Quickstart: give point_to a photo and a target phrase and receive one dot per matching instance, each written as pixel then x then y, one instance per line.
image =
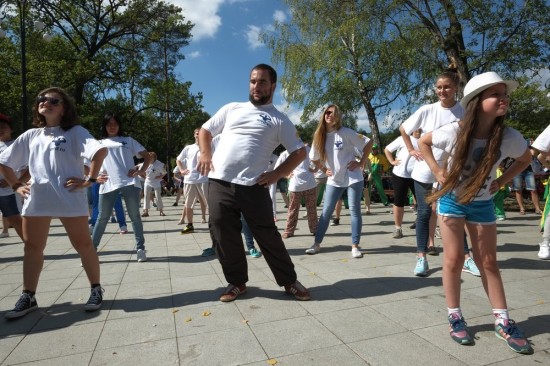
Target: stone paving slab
pixel 369 311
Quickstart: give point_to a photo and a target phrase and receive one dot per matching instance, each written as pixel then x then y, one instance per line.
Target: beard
pixel 263 100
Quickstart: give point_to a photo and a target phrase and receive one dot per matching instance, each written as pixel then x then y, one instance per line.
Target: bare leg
pixel 35 235
pixel 519 199
pixel 452 232
pixel 76 228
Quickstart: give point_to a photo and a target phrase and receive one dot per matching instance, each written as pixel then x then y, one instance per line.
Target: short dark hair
pixel 106 120
pixel 269 69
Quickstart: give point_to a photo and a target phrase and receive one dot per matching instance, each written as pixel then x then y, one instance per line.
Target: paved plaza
pixel 368 311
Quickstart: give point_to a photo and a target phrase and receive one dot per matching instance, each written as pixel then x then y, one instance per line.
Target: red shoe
pixel 232 292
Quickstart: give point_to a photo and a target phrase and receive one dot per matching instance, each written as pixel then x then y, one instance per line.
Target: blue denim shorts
pixel 476 212
pixel 8 205
pixel 529 177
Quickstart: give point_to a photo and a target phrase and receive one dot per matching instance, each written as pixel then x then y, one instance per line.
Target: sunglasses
pixel 52 101
pixel 328 113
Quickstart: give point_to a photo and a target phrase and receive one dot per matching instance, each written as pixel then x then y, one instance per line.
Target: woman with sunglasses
pixel 54 153
pixel 334 150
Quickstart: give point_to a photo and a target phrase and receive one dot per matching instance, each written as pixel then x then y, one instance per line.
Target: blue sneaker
pixel 470 267
pixel 458 329
pixel 421 269
pixel 510 333
pixel 254 253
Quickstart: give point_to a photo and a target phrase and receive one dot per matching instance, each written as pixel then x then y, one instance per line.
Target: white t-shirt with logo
pixel 53 156
pixel 428 118
pixel 406 162
pixel 302 179
pixel 189 156
pixel 119 161
pixel 249 135
pixel 341 147
pixel 153 171
pixel 542 143
pixel 513 146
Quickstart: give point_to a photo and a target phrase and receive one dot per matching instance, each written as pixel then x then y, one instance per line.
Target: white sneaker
pixel 315 248
pixel 4 235
pixel 544 252
pixel 141 257
pixel 356 253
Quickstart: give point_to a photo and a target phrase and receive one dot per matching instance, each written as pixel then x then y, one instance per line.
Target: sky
pixel 225 46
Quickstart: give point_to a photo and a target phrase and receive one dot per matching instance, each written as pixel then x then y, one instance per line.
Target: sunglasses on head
pixel 52 101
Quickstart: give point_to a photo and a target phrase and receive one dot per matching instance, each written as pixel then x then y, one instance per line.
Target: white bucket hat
pixel 480 82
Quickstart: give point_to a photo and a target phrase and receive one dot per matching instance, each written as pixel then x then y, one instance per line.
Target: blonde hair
pixel 320 135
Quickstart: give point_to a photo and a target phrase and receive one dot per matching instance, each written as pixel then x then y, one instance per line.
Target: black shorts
pixel 401 188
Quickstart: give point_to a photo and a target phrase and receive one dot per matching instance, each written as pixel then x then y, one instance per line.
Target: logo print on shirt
pixel 338 145
pixel 265 119
pixel 58 141
pixel 477 154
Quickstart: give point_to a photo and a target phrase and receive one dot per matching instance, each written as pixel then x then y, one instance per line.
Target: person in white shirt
pixel 403 165
pixel 334 150
pixel 195 183
pixel 54 153
pixel 238 182
pixel 472 150
pixel 542 146
pixel 301 185
pixel 8 200
pixel 153 178
pixel 122 179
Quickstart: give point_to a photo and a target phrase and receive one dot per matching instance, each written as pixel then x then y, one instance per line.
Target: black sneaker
pixel 96 299
pixel 335 222
pixel 24 305
pixel 175 204
pixel 187 229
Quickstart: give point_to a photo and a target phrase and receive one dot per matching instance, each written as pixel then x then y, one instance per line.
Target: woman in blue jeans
pixel 122 179
pixel 334 152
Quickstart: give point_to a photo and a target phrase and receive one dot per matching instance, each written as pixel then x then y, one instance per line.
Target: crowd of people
pixel 449 163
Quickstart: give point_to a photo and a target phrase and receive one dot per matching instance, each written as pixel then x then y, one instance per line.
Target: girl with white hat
pixel 475 146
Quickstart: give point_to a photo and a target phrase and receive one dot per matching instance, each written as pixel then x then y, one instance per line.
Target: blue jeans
pixel 93 191
pixel 332 195
pixel 248 238
pixel 106 204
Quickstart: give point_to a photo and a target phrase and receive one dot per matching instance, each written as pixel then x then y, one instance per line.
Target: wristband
pixel 90 179
pixel 17 185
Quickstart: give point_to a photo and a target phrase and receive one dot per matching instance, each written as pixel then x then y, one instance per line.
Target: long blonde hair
pixel 320 135
pixel 470 186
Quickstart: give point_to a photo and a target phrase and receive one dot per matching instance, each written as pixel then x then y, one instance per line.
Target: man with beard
pixel 238 182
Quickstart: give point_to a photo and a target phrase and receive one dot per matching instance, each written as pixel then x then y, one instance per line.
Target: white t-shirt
pixel 341 148
pixel 250 134
pixel 429 117
pixel 542 143
pixel 302 179
pixel 405 168
pixel 189 156
pixel 513 146
pixel 119 161
pixel 152 172
pixel 5 191
pixel 53 156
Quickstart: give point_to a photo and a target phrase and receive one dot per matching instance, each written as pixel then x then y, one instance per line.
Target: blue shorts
pixel 475 212
pixel 529 177
pixel 8 205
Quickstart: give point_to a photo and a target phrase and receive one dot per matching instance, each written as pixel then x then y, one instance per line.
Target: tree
pixel 343 52
pixel 529 109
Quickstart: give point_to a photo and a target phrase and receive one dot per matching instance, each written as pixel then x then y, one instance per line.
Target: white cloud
pixel 204 14
pixel 279 16
pixel 253 36
pixel 195 54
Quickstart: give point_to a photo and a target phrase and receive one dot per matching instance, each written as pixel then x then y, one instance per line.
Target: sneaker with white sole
pixel 254 253
pixel 397 233
pixel 23 306
pixel 298 291
pixel 422 268
pixel 96 299
pixel 315 248
pixel 356 253
pixel 544 252
pixel 141 256
pixel 513 336
pixel 470 267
